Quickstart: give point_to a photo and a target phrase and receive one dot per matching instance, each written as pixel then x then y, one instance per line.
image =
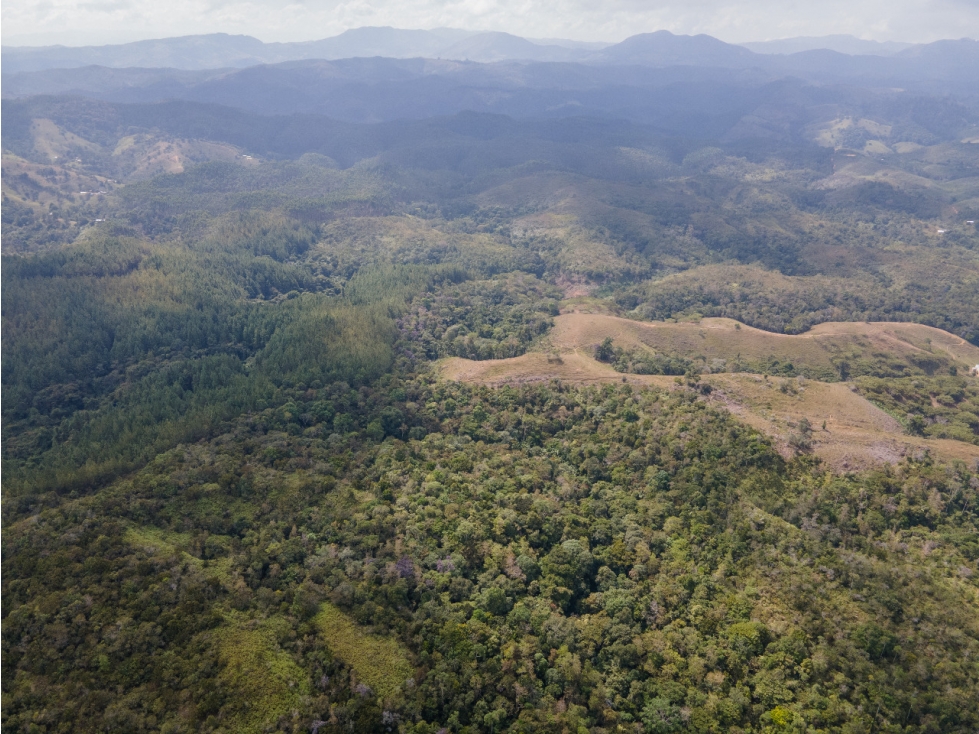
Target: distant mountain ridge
pixel 840 43
pixel 375 87
pixel 691 102
pixel 663 48
pixel 491 47
pixel 221 50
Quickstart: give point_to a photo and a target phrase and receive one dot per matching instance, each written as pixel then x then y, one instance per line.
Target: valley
pixel 616 390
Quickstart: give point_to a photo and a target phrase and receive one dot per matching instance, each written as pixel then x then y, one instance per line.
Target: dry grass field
pixel 572 367
pixel 380 662
pixel 144 156
pixel 37 186
pixel 716 338
pixel 849 431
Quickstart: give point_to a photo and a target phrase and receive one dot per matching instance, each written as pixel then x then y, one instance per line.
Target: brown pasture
pixel 849 432
pixel 718 338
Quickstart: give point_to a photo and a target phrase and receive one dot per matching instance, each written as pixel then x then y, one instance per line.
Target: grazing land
pixel 853 433
pixel 902 347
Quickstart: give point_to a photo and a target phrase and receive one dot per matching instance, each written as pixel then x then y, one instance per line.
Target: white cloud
pixel 103 21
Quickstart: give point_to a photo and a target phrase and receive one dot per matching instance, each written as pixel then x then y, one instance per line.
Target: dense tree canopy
pixel 239 497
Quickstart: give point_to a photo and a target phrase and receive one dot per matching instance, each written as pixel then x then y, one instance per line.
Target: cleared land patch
pixel 856 434
pixel 266 678
pixel 848 431
pixel 579 369
pixel 379 662
pixel 818 351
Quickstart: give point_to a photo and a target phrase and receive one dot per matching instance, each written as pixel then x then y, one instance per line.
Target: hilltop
pixel 855 433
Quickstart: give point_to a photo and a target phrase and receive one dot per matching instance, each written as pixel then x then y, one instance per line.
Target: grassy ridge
pixel 828 352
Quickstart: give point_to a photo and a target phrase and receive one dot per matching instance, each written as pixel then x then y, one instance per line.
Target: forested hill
pixel 239 494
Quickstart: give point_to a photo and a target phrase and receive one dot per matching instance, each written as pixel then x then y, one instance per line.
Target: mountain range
pixel 220 50
pixel 432 381
pixel 840 43
pixel 659 78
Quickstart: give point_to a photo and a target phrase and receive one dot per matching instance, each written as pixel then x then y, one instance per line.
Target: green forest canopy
pixel 224 444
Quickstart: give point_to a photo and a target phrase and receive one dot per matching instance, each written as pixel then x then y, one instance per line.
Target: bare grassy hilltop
pixel 848 430
pixel 818 350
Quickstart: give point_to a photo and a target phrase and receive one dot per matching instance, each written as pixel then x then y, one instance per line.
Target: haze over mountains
pixel 430 381
pixel 680 83
pixel 840 43
pixel 221 50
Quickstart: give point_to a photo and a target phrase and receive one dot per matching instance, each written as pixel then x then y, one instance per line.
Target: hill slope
pixel 855 434
pixel 237 496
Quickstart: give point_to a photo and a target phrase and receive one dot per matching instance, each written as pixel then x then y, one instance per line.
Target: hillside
pixel 854 434
pixel 901 347
pixel 442 397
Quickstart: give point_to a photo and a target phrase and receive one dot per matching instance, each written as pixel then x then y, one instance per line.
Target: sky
pixel 96 22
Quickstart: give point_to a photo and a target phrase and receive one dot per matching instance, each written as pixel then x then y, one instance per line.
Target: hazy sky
pixel 81 22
